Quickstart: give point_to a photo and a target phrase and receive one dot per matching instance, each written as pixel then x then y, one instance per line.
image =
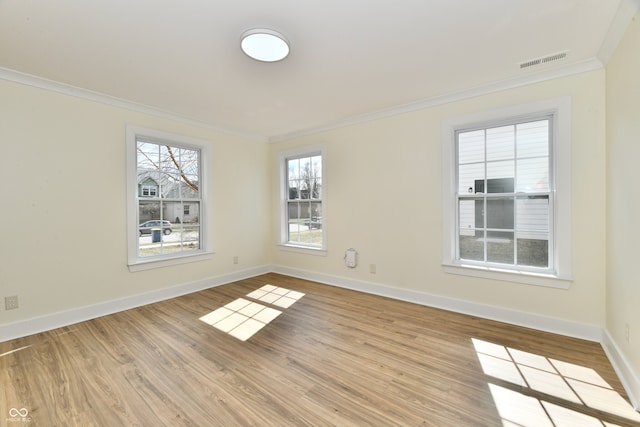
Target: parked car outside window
pixel 146 227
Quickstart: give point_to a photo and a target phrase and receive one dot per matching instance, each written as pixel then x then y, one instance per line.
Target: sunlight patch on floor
pixel 242 318
pixel 572 383
pixel 277 296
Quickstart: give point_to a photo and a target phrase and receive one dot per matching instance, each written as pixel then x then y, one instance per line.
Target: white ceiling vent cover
pixel 543 60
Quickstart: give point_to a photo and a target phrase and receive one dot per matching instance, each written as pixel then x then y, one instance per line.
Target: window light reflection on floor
pixel 242 318
pixel 572 383
pixel 277 296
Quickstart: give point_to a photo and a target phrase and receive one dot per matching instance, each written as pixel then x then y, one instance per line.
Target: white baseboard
pixel 514 317
pixel 47 322
pixel 627 374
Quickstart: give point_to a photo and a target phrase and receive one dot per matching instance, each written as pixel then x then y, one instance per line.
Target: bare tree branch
pixel 184 177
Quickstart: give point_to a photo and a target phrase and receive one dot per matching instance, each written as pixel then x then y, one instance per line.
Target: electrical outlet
pixel 626 332
pixel 11 303
pixel 236 259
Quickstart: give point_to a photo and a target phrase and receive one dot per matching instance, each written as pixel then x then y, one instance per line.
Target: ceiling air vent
pixel 543 60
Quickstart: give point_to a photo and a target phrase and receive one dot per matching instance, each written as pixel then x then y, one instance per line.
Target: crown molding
pixel 66 89
pixel 530 78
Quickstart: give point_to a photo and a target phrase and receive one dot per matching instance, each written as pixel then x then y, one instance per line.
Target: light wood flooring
pixel 334 357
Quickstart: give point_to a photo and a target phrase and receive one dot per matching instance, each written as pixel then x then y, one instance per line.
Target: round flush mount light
pixel 264 45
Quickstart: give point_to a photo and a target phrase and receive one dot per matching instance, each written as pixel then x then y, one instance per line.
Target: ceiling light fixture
pixel 264 45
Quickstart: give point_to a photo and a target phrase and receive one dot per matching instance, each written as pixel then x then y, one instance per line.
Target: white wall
pixel 623 213
pixel 383 183
pixel 62 188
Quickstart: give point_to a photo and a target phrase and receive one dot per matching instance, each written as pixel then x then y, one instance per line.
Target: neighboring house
pixel 166 198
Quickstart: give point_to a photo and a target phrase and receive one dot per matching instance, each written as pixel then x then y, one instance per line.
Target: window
pixel 506 207
pixel 149 191
pixel 504 204
pixel 166 203
pixel 303 219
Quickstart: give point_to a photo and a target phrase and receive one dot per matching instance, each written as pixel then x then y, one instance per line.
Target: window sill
pixel 525 277
pixel 303 249
pixel 166 262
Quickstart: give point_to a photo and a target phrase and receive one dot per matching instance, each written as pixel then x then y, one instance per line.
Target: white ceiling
pixel 350 59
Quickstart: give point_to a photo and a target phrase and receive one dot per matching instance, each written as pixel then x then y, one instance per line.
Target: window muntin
pixel 303 211
pixel 504 195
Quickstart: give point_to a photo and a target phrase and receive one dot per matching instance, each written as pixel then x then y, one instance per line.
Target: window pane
pixel 316 192
pixel 471 147
pixel 500 213
pixel 533 175
pixel 305 212
pixel 533 139
pixel 500 247
pixel 471 247
pixel 501 143
pixel 501 169
pixel 151 228
pixel 293 168
pixel 148 156
pixel 189 231
pixel 149 210
pixel 191 239
pixel 467 216
pixel 316 163
pixel 305 189
pixel 468 175
pixel 294 222
pixel 190 211
pixel 188 188
pixel 532 218
pixel 294 193
pixel 471 233
pixel 316 211
pixel 533 252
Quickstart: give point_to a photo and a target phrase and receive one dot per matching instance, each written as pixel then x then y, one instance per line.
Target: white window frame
pixel 561 274
pixel 135 262
pixel 284 213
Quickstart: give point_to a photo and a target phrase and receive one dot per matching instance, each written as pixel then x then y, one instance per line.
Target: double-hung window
pixel 166 200
pixel 507 194
pixel 504 198
pixel 303 219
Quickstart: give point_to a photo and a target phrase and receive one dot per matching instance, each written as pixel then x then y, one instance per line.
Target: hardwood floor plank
pixel 333 358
